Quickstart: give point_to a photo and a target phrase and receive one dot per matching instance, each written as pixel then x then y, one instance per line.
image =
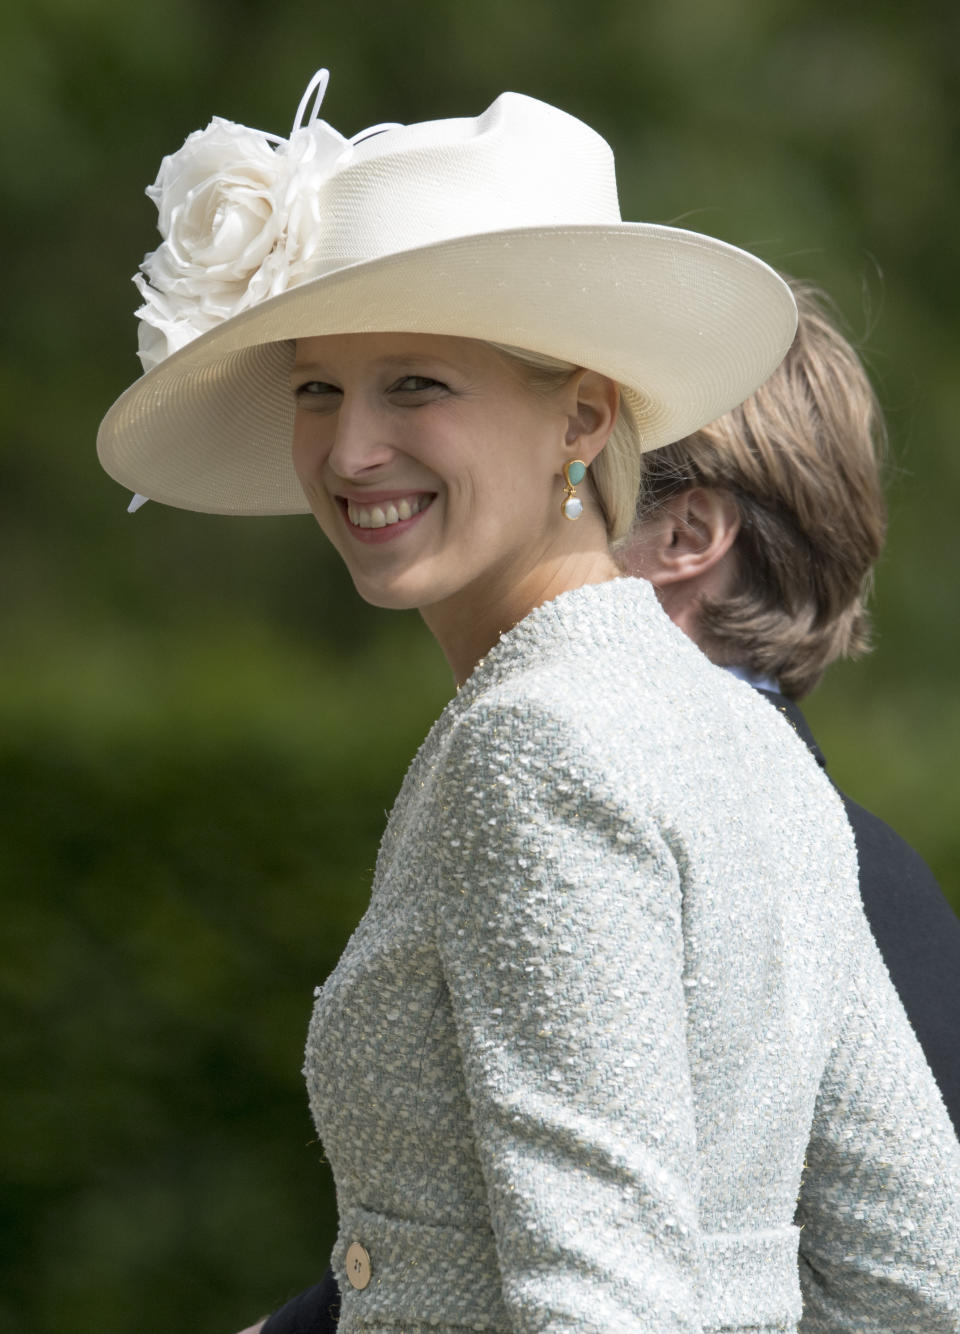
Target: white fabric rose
pixel 311 153
pixel 239 220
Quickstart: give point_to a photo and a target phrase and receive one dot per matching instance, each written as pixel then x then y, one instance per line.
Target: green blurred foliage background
pixel 202 726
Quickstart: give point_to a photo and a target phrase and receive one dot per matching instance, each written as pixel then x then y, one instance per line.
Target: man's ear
pixel 592 407
pixel 684 539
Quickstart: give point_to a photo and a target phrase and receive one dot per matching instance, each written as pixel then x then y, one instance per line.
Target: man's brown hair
pixel 802 459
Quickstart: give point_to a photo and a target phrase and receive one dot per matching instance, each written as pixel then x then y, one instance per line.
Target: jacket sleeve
pixel 559 929
pixel 879 1205
pixel 918 935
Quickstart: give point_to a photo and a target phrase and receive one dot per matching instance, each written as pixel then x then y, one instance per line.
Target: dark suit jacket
pixel 918 935
pixel 312 1312
pixel 913 924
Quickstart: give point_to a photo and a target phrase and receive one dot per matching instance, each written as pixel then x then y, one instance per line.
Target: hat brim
pixel 688 325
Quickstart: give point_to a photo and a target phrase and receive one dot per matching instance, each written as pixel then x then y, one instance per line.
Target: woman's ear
pixel 592 407
pixel 684 539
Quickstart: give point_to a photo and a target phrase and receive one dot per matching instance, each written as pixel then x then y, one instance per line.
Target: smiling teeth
pixel 382 516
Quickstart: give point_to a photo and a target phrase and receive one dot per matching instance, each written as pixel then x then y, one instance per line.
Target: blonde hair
pixel 616 472
pixel 802 460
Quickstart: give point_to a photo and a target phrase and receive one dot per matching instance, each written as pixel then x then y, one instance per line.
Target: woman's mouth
pixel 385 513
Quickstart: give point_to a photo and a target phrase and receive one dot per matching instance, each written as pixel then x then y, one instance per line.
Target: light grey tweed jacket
pixel 612 1048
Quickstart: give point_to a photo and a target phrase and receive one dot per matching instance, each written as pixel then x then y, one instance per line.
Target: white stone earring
pixel 571 507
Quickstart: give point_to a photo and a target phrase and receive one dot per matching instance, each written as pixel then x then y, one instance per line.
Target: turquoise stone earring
pixel 571 507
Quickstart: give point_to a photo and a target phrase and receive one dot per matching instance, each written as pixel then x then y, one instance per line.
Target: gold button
pixel 358 1266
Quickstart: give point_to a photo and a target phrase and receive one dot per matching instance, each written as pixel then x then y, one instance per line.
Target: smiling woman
pixel 558 1071
pixel 437 473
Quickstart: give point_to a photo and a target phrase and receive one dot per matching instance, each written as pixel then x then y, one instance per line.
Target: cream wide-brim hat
pixel 504 228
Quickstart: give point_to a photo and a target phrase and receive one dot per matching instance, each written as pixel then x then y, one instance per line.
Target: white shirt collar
pixel 758 682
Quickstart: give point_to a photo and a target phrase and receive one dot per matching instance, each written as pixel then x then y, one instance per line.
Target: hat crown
pixel 522 163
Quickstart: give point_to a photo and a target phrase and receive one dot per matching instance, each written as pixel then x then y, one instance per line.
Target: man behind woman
pixel 761 532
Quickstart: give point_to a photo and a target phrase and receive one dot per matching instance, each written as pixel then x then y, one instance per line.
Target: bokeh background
pixel 201 726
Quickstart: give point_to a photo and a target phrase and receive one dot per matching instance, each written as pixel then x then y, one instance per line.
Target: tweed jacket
pixel 613 1048
pixel 916 930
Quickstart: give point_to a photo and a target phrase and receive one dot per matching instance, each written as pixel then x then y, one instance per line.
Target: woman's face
pixel 432 468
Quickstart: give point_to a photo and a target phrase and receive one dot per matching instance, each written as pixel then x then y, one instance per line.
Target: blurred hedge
pixel 201 727
pixel 182 870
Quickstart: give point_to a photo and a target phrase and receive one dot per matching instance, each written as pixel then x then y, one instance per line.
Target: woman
pixel 613 1024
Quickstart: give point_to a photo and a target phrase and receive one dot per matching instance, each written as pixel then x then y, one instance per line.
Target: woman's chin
pixel 392 595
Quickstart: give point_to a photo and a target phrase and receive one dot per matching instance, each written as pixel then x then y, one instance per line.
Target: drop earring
pixel 571 507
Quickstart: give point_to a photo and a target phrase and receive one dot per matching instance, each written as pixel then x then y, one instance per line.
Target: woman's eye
pixel 316 387
pixel 416 384
pixel 316 393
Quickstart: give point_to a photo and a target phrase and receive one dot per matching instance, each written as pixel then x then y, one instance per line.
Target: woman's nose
pixel 361 441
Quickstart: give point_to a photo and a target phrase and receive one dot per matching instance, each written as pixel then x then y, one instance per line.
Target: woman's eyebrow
pixel 299 366
pixel 392 362
pixel 414 358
